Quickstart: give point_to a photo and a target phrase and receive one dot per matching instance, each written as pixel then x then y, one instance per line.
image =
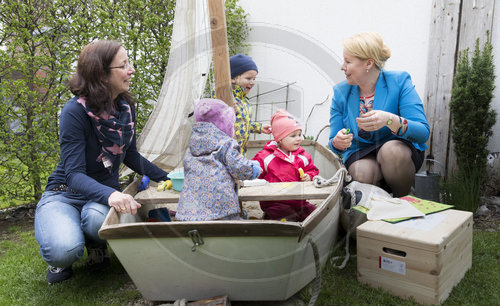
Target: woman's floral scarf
pixel 114 134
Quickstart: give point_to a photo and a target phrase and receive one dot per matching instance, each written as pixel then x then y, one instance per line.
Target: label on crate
pixel 392 265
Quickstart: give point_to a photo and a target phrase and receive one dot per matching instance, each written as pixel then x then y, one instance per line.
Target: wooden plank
pixel 133 187
pixel 439 81
pixel 326 208
pixel 328 154
pixel 233 228
pixel 420 264
pixel 153 196
pixel 111 218
pixel 476 19
pixel 402 288
pixel 444 232
pixel 222 75
pixel 267 192
pixel 285 191
pixel 463 260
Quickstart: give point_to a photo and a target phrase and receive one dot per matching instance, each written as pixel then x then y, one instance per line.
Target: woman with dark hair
pixel 97 135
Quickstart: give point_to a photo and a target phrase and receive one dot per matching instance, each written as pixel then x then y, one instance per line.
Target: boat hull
pixel 249 260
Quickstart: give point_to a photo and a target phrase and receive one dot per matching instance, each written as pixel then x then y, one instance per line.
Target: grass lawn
pixel 22 278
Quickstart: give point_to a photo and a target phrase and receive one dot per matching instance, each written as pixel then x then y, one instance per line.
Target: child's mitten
pixel 256 169
pixel 144 183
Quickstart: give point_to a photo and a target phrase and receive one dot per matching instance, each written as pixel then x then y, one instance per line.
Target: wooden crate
pixel 420 258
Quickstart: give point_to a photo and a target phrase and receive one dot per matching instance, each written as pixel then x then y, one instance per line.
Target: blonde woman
pixel 377 119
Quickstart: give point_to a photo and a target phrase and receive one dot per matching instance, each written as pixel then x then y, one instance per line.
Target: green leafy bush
pixel 39 44
pixel 472 122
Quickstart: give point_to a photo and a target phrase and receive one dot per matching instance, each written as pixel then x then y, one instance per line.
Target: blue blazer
pixel 394 93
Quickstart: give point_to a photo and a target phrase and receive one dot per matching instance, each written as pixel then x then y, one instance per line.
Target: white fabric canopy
pixel 165 136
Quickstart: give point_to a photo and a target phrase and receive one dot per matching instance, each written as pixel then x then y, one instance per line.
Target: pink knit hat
pixel 283 123
pixel 217 112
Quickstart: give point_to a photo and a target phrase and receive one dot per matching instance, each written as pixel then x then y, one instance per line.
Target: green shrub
pixel 39 44
pixel 472 122
pixel 462 190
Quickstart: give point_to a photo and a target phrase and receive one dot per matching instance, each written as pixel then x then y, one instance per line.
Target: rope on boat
pixel 347 254
pixel 320 182
pixel 181 302
pixel 317 282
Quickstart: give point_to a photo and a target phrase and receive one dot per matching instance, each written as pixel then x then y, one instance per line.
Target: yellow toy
pixel 301 173
pixel 164 185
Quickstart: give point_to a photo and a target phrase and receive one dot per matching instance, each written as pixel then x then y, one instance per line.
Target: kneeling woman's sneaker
pixel 57 275
pixel 98 259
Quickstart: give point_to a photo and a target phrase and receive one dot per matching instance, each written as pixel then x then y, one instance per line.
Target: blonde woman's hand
pixel 123 203
pixel 374 120
pixel 342 140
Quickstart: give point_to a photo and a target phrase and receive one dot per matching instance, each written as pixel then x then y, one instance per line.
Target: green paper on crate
pixel 425 206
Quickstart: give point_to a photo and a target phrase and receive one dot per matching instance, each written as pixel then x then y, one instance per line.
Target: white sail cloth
pixel 165 136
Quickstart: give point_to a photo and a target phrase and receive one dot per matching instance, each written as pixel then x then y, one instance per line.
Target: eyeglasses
pixel 126 66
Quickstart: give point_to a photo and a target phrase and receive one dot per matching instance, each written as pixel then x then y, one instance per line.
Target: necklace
pixel 367 97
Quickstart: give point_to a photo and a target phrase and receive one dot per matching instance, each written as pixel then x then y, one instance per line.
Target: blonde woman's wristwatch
pixel 389 122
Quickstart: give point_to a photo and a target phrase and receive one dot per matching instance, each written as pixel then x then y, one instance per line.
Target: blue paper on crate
pixel 425 206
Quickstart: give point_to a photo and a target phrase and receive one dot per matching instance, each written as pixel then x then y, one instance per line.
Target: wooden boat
pixel 249 260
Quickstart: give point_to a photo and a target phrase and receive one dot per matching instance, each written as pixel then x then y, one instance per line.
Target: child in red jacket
pixel 280 160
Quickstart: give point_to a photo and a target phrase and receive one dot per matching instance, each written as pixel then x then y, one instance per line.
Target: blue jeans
pixel 64 223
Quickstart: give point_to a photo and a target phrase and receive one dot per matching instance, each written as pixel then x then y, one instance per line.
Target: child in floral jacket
pixel 212 165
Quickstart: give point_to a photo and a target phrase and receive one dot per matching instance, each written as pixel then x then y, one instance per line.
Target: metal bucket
pixel 427 184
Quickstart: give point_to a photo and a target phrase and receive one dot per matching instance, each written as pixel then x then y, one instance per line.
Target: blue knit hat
pixel 241 63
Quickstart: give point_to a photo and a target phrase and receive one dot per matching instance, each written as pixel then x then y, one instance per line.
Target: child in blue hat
pixel 243 73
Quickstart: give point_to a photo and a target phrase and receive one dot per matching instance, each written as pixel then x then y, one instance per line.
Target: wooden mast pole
pixel 222 74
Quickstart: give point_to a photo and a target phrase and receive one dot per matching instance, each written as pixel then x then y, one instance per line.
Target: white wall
pixel 301 41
